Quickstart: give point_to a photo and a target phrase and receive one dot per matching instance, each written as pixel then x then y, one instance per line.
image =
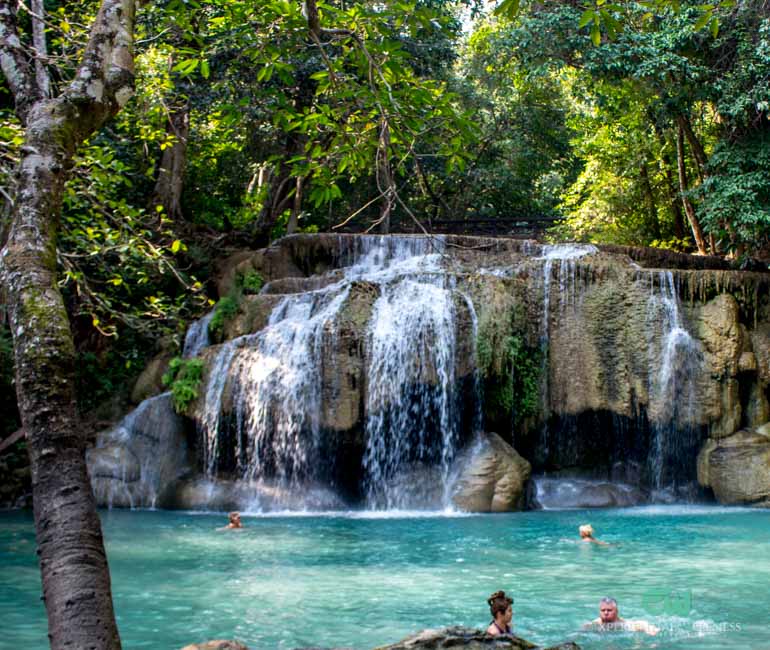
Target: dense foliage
pixel 634 122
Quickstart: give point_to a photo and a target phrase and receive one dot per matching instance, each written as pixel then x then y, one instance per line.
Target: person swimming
pixel 610 620
pixel 500 606
pixel 587 535
pixel 234 521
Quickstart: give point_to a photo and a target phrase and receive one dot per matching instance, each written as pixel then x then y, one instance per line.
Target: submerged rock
pixel 464 637
pixel 216 645
pixel 492 477
pixel 448 637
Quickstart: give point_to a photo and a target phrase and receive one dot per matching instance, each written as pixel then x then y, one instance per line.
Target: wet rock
pixel 150 381
pixel 205 494
pixel 146 451
pixel 492 477
pixel 737 467
pixel 114 462
pixel 468 638
pixel 580 493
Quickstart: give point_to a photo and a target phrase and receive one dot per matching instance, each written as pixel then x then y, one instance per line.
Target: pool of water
pixel 699 573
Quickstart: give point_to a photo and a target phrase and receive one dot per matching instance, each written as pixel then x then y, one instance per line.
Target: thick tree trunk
pixel 168 188
pixel 689 209
pixel 73 563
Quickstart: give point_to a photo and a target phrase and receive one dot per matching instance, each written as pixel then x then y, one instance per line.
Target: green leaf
pixel 204 69
pixel 507 8
pixel 703 20
pixel 587 17
pixel 596 35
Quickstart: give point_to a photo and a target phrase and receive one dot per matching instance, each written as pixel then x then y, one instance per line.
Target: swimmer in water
pixel 500 606
pixel 587 535
pixel 610 621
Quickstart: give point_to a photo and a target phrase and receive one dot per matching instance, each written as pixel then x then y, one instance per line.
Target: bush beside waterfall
pixel 184 377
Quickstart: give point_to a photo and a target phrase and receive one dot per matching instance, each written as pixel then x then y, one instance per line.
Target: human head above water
pixel 586 530
pixel 234 517
pixel 499 603
pixel 608 610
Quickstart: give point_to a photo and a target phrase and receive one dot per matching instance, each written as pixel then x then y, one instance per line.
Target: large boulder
pixel 492 476
pixel 737 467
pixel 133 462
pixel 468 638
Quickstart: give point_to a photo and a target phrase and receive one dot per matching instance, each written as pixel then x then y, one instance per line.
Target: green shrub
pixel 184 377
pixel 510 370
pixel 251 282
pixel 225 309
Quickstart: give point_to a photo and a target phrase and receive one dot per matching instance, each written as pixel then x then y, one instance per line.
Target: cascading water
pixel 271 381
pixel 197 337
pixel 411 402
pixel 675 357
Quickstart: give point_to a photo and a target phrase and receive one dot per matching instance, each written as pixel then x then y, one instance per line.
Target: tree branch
pixel 15 63
pixel 41 50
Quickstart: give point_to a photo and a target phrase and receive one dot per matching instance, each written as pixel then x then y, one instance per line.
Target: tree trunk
pixel 676 204
pixel 698 152
pixel 652 208
pixel 168 188
pixel 697 232
pixel 73 563
pixel 291 227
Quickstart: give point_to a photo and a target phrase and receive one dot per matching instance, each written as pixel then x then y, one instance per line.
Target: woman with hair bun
pixel 502 613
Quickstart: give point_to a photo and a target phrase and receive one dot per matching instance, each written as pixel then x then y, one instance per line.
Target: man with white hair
pixel 610 620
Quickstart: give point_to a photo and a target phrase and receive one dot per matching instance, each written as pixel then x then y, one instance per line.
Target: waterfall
pixel 270 383
pixel 411 404
pixel 197 337
pixel 674 357
pixel 272 379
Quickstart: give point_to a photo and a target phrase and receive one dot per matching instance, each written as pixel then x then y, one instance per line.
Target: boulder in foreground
pixel 468 638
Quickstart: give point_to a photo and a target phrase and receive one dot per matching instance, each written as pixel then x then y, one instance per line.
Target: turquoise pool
pixel 700 573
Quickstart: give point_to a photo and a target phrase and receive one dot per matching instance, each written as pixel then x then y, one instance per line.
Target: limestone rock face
pixel 760 340
pixel 114 461
pixel 150 381
pixel 132 462
pixel 468 638
pixel 737 467
pixel 492 477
